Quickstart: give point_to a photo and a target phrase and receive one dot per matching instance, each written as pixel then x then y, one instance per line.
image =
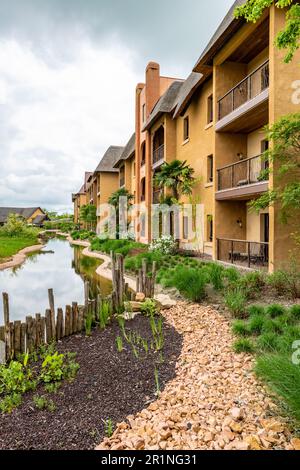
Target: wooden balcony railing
pixel 248 88
pixel 243 253
pixel 242 173
pixel 158 154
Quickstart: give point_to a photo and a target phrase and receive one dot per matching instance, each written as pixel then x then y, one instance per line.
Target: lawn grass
pixel 9 246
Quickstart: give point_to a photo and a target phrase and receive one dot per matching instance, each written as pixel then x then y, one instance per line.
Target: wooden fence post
pixel 52 309
pixel 7 337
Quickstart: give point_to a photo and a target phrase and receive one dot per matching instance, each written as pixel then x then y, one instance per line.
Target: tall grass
pixel 283 378
pixel 235 301
pixel 190 282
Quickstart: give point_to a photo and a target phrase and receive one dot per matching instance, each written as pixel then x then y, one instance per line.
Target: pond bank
pixel 215 401
pixel 19 258
pixel 104 269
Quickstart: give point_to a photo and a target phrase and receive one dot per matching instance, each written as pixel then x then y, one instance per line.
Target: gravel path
pixel 214 402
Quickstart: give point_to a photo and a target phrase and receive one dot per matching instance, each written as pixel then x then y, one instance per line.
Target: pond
pixel 59 266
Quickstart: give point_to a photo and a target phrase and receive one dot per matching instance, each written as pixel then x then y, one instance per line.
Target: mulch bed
pixel 109 385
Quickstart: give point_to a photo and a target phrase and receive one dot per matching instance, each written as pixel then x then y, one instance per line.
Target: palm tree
pixel 176 176
pixel 115 197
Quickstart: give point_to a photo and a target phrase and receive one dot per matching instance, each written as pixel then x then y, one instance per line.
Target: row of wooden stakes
pixel 21 337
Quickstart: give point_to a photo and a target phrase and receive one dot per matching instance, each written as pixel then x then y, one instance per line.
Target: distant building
pixel 32 215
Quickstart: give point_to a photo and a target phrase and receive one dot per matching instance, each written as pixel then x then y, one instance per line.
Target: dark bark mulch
pixel 109 385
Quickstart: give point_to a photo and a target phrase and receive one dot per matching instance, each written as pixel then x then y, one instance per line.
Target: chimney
pixel 152 86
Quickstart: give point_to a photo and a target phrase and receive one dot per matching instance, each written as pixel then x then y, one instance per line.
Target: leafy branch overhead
pixel 284 156
pixel 289 37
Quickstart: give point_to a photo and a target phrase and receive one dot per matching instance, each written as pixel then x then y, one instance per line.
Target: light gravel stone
pixel 215 401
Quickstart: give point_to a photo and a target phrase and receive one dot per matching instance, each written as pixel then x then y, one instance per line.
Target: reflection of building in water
pixel 86 267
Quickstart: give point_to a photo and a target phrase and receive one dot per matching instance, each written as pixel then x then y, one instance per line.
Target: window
pixel 210 228
pixel 186 129
pixel 143 157
pixel 210 109
pixel 210 169
pixel 143 189
pixel 144 113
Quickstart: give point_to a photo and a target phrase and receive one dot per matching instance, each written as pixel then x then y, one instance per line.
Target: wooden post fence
pixel 20 337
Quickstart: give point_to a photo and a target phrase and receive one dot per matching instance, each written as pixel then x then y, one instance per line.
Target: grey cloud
pixel 171 31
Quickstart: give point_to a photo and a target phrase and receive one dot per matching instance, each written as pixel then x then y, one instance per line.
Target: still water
pixel 59 266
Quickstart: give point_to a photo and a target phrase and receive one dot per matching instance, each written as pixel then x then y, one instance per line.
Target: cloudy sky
pixel 68 71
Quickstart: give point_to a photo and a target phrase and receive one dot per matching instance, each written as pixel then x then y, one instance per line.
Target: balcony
pixel 158 156
pixel 243 253
pixel 243 179
pixel 245 106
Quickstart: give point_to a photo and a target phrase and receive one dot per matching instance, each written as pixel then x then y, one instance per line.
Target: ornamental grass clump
pixel 235 301
pixel 283 378
pixel 190 282
pixel 275 310
pixel 244 345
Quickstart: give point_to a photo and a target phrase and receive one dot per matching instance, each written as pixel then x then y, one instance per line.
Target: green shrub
pixel 10 402
pixel 295 311
pixel 256 324
pixel 235 301
pixel 123 247
pixel 243 346
pixel 254 310
pixel 16 377
pixel 42 403
pixel 253 281
pixel 278 281
pixel 286 282
pixel 275 310
pixel 240 328
pixel 283 378
pixel 149 308
pixel 57 367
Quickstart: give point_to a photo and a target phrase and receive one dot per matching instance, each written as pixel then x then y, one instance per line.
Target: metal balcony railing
pixel 248 88
pixel 242 173
pixel 243 253
pixel 158 154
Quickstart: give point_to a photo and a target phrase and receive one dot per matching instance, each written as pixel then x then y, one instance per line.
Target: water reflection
pixel 58 266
